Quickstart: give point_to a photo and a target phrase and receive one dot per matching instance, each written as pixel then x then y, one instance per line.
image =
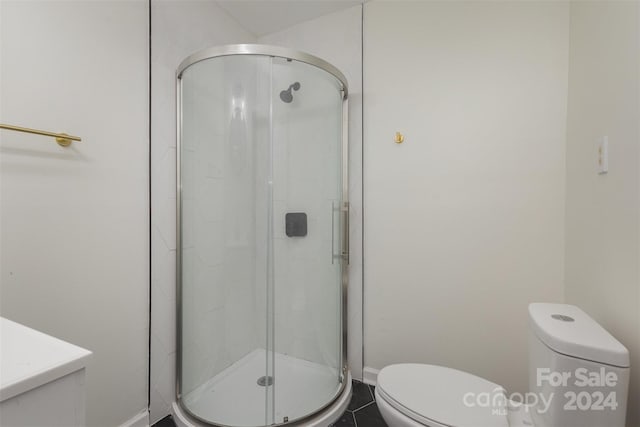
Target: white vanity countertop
pixel 29 359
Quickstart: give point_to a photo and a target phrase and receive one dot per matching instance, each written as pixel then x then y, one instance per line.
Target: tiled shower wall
pixel 179 28
pixel 218 205
pixel 337 38
pixel 306 178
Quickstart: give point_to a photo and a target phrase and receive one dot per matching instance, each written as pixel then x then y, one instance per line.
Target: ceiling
pixel 262 17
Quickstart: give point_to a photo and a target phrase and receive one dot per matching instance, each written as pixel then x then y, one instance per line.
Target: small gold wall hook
pixel 399 138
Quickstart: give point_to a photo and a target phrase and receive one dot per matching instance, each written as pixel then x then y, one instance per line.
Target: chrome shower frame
pixel 289 54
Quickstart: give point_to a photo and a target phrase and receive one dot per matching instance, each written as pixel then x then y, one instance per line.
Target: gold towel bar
pixel 62 139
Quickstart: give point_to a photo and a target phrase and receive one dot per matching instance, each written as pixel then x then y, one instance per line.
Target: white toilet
pixel 578 377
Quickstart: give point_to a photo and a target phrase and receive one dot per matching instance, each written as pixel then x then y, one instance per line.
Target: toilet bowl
pixel 564 343
pixel 435 396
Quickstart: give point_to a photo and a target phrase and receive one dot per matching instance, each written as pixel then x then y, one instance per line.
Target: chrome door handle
pixel 345 246
pixel 333 228
pixel 344 253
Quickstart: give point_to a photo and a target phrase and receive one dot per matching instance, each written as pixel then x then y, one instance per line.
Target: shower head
pixel 286 95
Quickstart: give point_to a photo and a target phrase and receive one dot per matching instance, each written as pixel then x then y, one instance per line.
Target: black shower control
pixel 296 224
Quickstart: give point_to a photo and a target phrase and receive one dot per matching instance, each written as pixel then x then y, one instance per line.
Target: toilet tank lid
pixel 568 330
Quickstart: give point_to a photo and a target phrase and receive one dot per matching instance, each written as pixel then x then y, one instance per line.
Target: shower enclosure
pixel 262 235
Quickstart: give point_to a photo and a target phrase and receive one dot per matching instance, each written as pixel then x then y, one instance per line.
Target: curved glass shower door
pixel 307 188
pixel 261 226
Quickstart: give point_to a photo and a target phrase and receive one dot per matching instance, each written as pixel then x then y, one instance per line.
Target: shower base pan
pixel 234 397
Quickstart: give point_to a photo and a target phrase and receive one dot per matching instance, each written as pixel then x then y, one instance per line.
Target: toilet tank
pixel 578 372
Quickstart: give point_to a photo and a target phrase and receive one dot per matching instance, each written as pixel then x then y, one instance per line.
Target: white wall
pixel 464 221
pixel 603 211
pixel 75 221
pixel 337 38
pixel 179 28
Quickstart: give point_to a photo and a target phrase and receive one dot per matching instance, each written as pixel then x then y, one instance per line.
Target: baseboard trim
pixel 140 420
pixel 370 375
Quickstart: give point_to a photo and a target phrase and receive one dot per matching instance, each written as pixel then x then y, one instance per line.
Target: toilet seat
pixel 437 396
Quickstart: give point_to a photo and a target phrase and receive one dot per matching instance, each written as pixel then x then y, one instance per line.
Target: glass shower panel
pixel 225 202
pixel 307 190
pixel 261 211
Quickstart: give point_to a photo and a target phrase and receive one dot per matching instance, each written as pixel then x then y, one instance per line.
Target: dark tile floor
pixel 361 412
pixel 165 422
